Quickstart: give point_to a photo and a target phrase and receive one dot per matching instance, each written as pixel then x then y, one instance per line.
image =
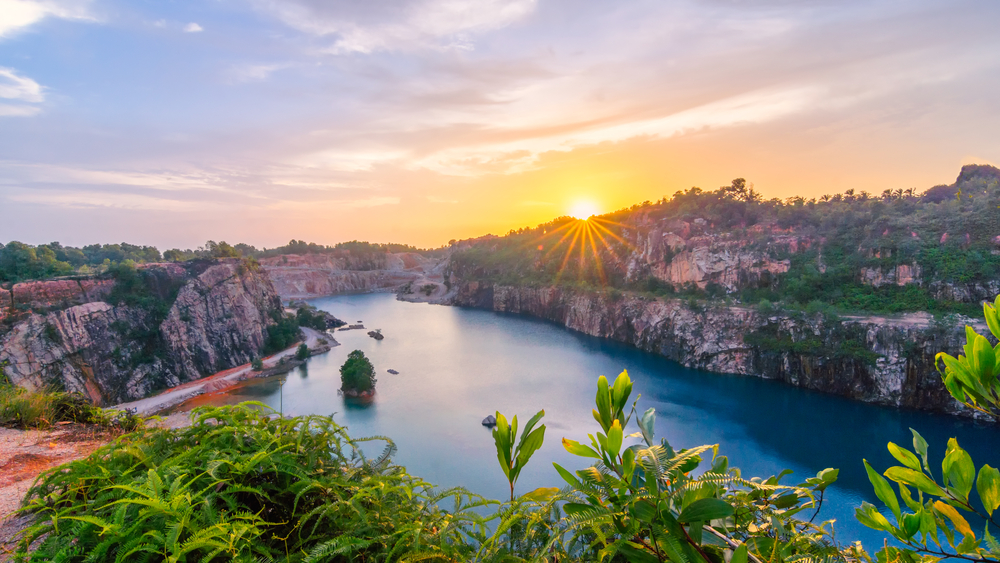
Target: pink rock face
pixel 49 294
pixel 314 275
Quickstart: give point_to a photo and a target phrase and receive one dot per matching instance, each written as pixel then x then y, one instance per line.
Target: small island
pixel 357 376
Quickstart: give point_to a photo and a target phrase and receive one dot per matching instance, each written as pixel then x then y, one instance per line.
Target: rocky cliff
pixel 191 320
pixel 315 275
pixel 874 359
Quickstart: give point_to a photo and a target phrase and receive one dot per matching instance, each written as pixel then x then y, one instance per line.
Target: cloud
pixel 193 28
pixel 19 89
pixel 367 27
pixel 16 15
pixel 248 72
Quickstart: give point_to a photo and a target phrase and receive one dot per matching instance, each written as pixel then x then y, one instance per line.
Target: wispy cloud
pixel 16 15
pixel 16 88
pixel 193 28
pixel 367 27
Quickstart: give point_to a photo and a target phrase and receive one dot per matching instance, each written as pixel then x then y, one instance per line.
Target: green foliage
pixel 22 408
pixel 648 502
pixel 357 374
pixel 282 334
pixel 302 352
pixel 309 316
pixel 19 261
pixel 513 456
pixel 257 364
pixel 938 508
pixel 242 485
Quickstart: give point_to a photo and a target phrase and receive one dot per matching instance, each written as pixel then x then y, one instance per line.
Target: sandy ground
pixel 24 454
pixel 224 379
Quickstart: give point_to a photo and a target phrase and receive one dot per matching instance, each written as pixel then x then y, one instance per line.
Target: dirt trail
pixel 224 379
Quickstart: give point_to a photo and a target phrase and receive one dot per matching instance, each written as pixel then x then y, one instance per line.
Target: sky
pixel 172 122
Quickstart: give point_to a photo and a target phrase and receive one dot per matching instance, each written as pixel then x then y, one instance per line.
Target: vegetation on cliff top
pixel 950 232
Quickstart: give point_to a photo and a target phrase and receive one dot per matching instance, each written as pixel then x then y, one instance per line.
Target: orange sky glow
pixel 261 121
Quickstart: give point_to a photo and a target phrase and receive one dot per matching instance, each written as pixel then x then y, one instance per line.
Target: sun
pixel 583 210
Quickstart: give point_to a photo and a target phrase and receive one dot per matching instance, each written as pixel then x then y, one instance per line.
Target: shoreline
pixel 274 364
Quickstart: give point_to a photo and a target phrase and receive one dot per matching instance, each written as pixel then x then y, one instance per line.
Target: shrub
pixel 302 352
pixel 257 364
pixel 22 408
pixel 241 485
pixel 357 374
pixel 282 334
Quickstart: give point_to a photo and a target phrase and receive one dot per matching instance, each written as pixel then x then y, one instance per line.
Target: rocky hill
pixel 120 339
pixel 315 275
pixel 851 294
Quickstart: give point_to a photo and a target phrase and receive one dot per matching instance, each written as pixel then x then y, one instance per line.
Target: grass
pixel 41 409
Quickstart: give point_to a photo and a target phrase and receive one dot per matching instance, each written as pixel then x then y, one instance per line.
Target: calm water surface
pixel 459 365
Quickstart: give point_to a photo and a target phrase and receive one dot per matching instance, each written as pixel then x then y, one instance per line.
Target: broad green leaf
pixel 571 508
pixel 868 515
pixel 615 437
pixel 542 494
pixel 705 509
pixel 644 511
pixel 985 359
pixel 568 477
pixel 739 554
pixel 646 424
pixel 621 391
pixel 918 480
pixel 957 520
pixel 527 448
pixel 920 446
pixel 576 448
pixel 603 400
pixel 904 456
pixel 910 525
pixel 883 490
pixel 960 471
pixel 635 553
pixel 531 423
pixel 988 486
pixel 786 500
pixel 992 318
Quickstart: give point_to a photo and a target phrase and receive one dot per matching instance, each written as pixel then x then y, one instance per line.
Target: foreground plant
pixel 649 503
pixel 943 508
pixel 242 485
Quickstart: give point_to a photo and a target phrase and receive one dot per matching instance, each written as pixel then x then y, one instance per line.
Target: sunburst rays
pixel 592 242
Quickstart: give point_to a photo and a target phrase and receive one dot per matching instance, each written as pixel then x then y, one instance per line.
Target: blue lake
pixel 459 365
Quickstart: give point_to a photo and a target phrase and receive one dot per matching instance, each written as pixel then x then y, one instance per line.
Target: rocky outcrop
pixel 217 313
pixel 316 275
pixel 874 359
pixel 21 299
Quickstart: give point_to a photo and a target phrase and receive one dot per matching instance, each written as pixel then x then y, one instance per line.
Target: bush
pixel 257 364
pixel 282 334
pixel 241 485
pixel 357 374
pixel 21 408
pixel 302 352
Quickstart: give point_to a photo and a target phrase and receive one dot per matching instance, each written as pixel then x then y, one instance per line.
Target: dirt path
pixel 224 379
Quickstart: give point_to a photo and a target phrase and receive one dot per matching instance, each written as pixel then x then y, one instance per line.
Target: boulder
pixel 490 421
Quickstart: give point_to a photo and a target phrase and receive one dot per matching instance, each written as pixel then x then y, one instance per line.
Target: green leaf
pixel 920 446
pixel 636 553
pixel 705 509
pixel 576 448
pixel 959 469
pixel 985 360
pixel 992 317
pixel 615 437
pixel 786 500
pixel 644 511
pixel 531 423
pixel 988 486
pixel 883 490
pixel 904 456
pixel 912 478
pixel 621 391
pixel 527 448
pixel 868 515
pixel 603 400
pixel 541 494
pixel 646 424
pixel 910 525
pixel 739 554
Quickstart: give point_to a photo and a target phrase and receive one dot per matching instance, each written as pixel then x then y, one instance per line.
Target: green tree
pixel 357 374
pixel 302 352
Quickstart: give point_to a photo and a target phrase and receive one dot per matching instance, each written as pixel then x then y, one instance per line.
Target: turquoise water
pixel 459 365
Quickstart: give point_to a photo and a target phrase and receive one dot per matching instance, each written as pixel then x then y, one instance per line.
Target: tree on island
pixel 357 375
